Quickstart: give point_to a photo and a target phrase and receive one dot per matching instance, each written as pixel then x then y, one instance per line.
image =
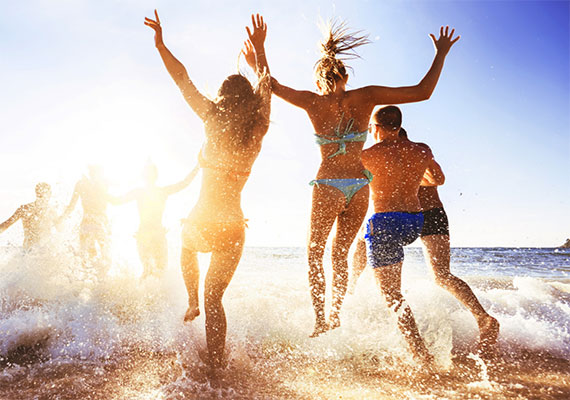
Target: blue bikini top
pixel 345 137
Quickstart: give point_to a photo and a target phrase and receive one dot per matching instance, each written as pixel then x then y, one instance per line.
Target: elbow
pixel 424 91
pixel 425 94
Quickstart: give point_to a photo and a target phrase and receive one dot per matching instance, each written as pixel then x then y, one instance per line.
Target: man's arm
pixel 198 102
pixel 433 176
pixel 177 187
pixel 10 221
pixel 127 197
pixel 72 202
pixel 423 90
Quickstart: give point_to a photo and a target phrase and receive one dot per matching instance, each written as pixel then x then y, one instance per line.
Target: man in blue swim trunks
pixel 398 168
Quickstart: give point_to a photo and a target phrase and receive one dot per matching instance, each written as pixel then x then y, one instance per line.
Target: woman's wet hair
pixel 402 133
pixel 236 110
pixel 338 46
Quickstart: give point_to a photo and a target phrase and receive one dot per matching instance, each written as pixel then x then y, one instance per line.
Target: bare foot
pixel 191 314
pixel 334 322
pixel 488 335
pixel 423 356
pixel 320 328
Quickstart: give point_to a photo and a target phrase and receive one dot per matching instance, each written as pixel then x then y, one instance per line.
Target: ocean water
pixel 66 334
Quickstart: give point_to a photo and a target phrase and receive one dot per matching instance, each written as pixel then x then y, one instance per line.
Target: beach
pixel 66 335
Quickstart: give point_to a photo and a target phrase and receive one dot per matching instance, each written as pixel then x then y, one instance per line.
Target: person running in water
pixel 38 217
pixel 340 118
pixel 435 238
pixel 151 201
pixel 94 230
pixel 235 125
pixel 398 167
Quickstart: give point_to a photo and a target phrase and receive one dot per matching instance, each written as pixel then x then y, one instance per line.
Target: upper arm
pixel 375 95
pixel 437 172
pixel 196 100
pixel 264 92
pixel 299 98
pixel 74 198
pixel 171 189
pixel 130 196
pixel 10 221
pixel 433 175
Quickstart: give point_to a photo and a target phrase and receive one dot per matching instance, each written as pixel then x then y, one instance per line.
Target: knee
pixel 443 278
pixel 315 254
pixel 213 301
pixel 339 252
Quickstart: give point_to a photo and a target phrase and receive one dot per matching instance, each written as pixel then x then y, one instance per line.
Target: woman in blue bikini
pixel 340 118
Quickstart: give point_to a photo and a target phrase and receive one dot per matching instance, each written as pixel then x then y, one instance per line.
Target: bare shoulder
pixel 421 147
pixel 372 151
pixel 25 209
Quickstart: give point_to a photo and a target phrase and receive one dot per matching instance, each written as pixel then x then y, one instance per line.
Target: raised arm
pixel 199 103
pixel 299 98
pixel 72 202
pixel 433 176
pixel 258 60
pixel 10 221
pixel 423 90
pixel 126 198
pixel 171 189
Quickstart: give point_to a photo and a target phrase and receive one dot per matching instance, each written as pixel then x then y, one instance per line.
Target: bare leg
pixel 389 279
pixel 348 224
pixel 326 201
pixel 222 267
pixel 145 257
pixel 191 275
pixel 437 248
pixel 161 256
pixel 358 264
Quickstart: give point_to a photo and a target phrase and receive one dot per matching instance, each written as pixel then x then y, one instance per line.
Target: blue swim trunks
pixel 387 234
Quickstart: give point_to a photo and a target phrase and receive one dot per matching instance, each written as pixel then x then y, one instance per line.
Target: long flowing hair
pixel 338 46
pixel 236 111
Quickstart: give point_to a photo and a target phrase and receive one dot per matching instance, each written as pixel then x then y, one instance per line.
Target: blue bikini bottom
pixel 349 187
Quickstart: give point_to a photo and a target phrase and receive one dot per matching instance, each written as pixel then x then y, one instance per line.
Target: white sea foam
pixel 51 301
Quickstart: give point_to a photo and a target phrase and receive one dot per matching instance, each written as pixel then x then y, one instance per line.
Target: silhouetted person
pixel 151 201
pixel 94 230
pixel 235 124
pixel 38 217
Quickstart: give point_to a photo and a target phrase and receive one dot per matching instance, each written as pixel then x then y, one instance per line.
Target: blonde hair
pixel 338 46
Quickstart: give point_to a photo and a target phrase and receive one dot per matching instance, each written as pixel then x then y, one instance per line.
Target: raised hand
pixel 155 25
pixel 257 38
pixel 445 41
pixel 249 54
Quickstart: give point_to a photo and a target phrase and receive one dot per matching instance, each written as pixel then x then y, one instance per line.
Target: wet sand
pixel 282 373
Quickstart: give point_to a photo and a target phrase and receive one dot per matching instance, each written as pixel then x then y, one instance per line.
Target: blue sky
pixel 81 82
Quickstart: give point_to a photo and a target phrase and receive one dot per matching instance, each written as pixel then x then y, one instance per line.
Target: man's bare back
pixel 38 218
pixel 398 168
